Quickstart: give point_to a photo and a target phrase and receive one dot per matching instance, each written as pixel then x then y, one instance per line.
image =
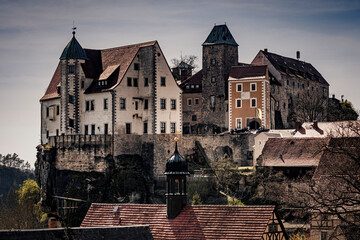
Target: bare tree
pixel 188 59
pixel 310 107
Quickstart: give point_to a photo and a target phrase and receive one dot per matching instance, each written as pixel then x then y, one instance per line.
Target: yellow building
pixel 249 97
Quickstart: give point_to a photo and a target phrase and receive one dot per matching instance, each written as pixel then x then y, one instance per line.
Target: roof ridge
pixel 129 45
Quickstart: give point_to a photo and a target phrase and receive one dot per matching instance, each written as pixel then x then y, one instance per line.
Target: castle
pixel 123 90
pixel 226 94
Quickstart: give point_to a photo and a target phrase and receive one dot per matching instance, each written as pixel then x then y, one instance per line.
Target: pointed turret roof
pixel 176 164
pixel 220 34
pixel 73 50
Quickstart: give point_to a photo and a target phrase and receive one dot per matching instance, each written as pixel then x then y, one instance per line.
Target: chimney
pixel 333 96
pixel 315 125
pixel 265 50
pixel 298 55
pixel 297 126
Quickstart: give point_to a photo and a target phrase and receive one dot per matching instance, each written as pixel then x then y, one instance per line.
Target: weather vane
pixel 73 28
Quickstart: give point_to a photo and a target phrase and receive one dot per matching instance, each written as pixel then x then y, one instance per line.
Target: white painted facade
pixel 142 102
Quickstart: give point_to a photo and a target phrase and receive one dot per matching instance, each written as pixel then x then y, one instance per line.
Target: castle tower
pixel 71 59
pixel 176 171
pixel 220 53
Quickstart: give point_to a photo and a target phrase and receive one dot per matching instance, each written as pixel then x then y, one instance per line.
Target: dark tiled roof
pixel 220 34
pixel 73 50
pixel 183 64
pixel 295 67
pixel 176 164
pixel 247 71
pixel 194 222
pixel 293 152
pixel 112 63
pixel 194 80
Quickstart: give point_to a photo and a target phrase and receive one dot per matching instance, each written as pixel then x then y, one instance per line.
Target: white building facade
pixel 124 90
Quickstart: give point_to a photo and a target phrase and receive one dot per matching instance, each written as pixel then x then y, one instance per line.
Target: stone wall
pixel 91 153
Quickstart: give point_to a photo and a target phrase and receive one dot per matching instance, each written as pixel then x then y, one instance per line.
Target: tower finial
pixel 73 28
pixel 176 139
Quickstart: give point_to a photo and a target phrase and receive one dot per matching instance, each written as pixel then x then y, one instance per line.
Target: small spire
pixel 176 139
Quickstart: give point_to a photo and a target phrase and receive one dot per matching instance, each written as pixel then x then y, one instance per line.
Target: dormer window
pixel 71 69
pixel 58 89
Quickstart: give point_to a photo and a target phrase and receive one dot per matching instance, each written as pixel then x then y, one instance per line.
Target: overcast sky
pixel 34 33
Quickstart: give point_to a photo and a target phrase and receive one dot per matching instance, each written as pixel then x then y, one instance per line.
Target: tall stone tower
pixel 220 53
pixel 71 77
pixel 176 171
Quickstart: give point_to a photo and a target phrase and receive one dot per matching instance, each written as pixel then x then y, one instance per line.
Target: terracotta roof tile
pixel 293 152
pixel 99 63
pixel 51 91
pixel 194 222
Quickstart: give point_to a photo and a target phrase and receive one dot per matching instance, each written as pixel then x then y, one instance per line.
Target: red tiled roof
pixel 98 61
pixel 51 91
pixel 194 222
pixel 293 152
pixel 247 71
pixel 195 79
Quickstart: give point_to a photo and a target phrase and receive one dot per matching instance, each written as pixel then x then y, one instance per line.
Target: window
pixel 146 104
pixel 71 99
pixel 71 69
pixel 86 129
pixel 146 82
pixel 163 81
pixel 253 87
pixel 136 105
pixel 189 100
pixel 136 82
pixel 47 112
pixel 238 103
pixel 196 101
pixel 47 134
pixel 212 102
pixel 145 127
pixel 92 129
pixel 213 79
pixel 162 127
pixel 239 87
pixel 173 104
pixel 57 109
pixel 172 127
pixel 213 61
pixel 129 83
pixel 136 66
pixel 193 118
pixel 105 103
pixel 122 103
pixel 90 105
pixel 57 132
pixel 162 103
pixel 238 123
pixel 106 128
pixel 82 84
pixel 71 123
pixel 128 128
pixel 253 102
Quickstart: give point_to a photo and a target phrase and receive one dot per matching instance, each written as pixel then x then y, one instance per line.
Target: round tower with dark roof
pixel 176 171
pixel 71 59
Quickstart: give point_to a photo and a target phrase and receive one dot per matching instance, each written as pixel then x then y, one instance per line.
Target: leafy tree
pixel 21 210
pixel 196 200
pixel 13 161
